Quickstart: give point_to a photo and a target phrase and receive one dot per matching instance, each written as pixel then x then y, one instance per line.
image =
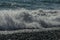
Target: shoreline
pixel 29 30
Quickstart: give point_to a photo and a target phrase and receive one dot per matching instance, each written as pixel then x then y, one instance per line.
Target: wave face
pixel 30 4
pixel 28 19
pixel 27 14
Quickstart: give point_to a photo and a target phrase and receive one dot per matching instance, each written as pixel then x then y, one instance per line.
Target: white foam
pixel 22 18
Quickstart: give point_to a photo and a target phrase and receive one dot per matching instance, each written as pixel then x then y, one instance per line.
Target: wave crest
pixel 24 19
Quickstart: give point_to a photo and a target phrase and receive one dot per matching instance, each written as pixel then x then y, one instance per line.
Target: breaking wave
pixel 28 19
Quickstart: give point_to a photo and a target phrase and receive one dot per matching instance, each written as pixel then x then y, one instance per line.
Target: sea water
pixel 29 14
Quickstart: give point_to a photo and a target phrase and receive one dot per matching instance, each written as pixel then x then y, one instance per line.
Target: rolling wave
pixel 28 19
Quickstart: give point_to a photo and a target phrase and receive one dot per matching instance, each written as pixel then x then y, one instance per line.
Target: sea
pixel 29 14
pixel 30 4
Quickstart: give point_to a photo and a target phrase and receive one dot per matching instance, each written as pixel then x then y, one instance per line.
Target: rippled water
pixel 30 4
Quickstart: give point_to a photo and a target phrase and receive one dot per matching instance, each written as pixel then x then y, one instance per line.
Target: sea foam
pixel 28 19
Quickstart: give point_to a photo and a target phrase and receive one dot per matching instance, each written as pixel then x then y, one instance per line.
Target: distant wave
pixel 28 19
